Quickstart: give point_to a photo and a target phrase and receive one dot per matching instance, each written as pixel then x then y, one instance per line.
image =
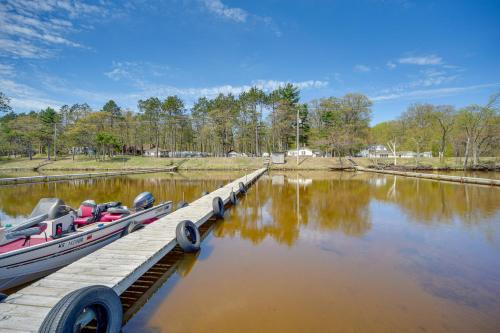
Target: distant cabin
pixel 278 158
pixel 412 154
pixel 185 154
pixel 152 153
pixel 381 151
pixel 406 154
pixel 233 153
pixel 306 152
pixel 426 154
pixel 374 151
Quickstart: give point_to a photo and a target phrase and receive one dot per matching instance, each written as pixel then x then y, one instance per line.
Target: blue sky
pixel 397 52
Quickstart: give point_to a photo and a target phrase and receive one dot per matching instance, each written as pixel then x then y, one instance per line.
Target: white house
pixel 306 152
pixel 406 154
pixel 374 151
pixel 233 153
pixel 412 154
pixel 152 153
pixel 426 154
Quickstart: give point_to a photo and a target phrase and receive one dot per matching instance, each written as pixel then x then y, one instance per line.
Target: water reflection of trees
pixel 333 202
pixel 19 200
pixel 340 202
pixel 327 204
pixel 439 202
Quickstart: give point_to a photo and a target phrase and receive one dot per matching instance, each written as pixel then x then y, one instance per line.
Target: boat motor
pixel 143 201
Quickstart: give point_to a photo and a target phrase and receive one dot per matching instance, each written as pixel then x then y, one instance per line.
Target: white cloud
pixel 22 49
pixel 432 77
pixel 138 74
pixel 218 8
pixel 117 74
pixel 222 10
pixel 391 65
pixel 150 89
pixel 34 104
pixel 31 29
pixel 425 78
pixel 362 68
pixel 131 70
pixel 438 92
pixel 25 97
pixel 71 7
pixel 6 70
pixel 422 60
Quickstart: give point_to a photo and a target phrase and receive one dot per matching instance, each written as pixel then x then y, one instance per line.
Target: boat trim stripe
pixel 76 248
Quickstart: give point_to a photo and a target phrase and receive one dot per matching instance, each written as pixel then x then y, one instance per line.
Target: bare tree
pixel 481 127
pixel 445 117
pixel 418 120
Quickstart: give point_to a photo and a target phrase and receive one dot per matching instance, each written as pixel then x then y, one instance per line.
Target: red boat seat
pixel 85 211
pixel 110 217
pixel 85 214
pixel 81 221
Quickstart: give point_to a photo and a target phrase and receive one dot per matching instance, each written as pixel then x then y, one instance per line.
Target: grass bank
pixel 448 163
pixel 82 163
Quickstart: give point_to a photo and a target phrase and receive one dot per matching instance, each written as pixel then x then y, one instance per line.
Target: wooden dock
pixel 117 265
pixel 448 178
pixel 51 178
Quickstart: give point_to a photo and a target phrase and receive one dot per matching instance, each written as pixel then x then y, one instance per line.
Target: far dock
pixel 51 178
pixel 431 176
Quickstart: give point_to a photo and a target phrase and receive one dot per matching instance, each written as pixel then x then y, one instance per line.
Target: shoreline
pixel 135 163
pixel 347 169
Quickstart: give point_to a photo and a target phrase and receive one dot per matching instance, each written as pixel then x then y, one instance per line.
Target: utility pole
pixel 257 139
pixel 298 136
pixel 55 136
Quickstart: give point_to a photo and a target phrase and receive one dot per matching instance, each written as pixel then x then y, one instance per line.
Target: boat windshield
pixel 53 207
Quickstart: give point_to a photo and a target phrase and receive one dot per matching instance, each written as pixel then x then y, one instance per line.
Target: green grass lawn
pixel 210 163
pixel 435 162
pixel 82 162
pixel 131 162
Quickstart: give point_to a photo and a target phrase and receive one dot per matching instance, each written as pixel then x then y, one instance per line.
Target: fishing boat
pixel 55 235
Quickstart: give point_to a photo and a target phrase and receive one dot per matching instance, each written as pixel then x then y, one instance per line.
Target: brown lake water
pixel 319 252
pixel 333 252
pixel 17 201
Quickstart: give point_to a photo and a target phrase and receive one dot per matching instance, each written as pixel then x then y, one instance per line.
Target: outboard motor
pixel 143 201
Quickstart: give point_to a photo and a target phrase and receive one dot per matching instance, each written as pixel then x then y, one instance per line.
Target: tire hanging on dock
pixel 242 187
pixel 218 207
pixel 188 236
pixel 232 198
pixel 181 204
pixel 97 304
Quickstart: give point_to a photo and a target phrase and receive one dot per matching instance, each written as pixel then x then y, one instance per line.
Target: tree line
pixel 253 122
pixel 469 132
